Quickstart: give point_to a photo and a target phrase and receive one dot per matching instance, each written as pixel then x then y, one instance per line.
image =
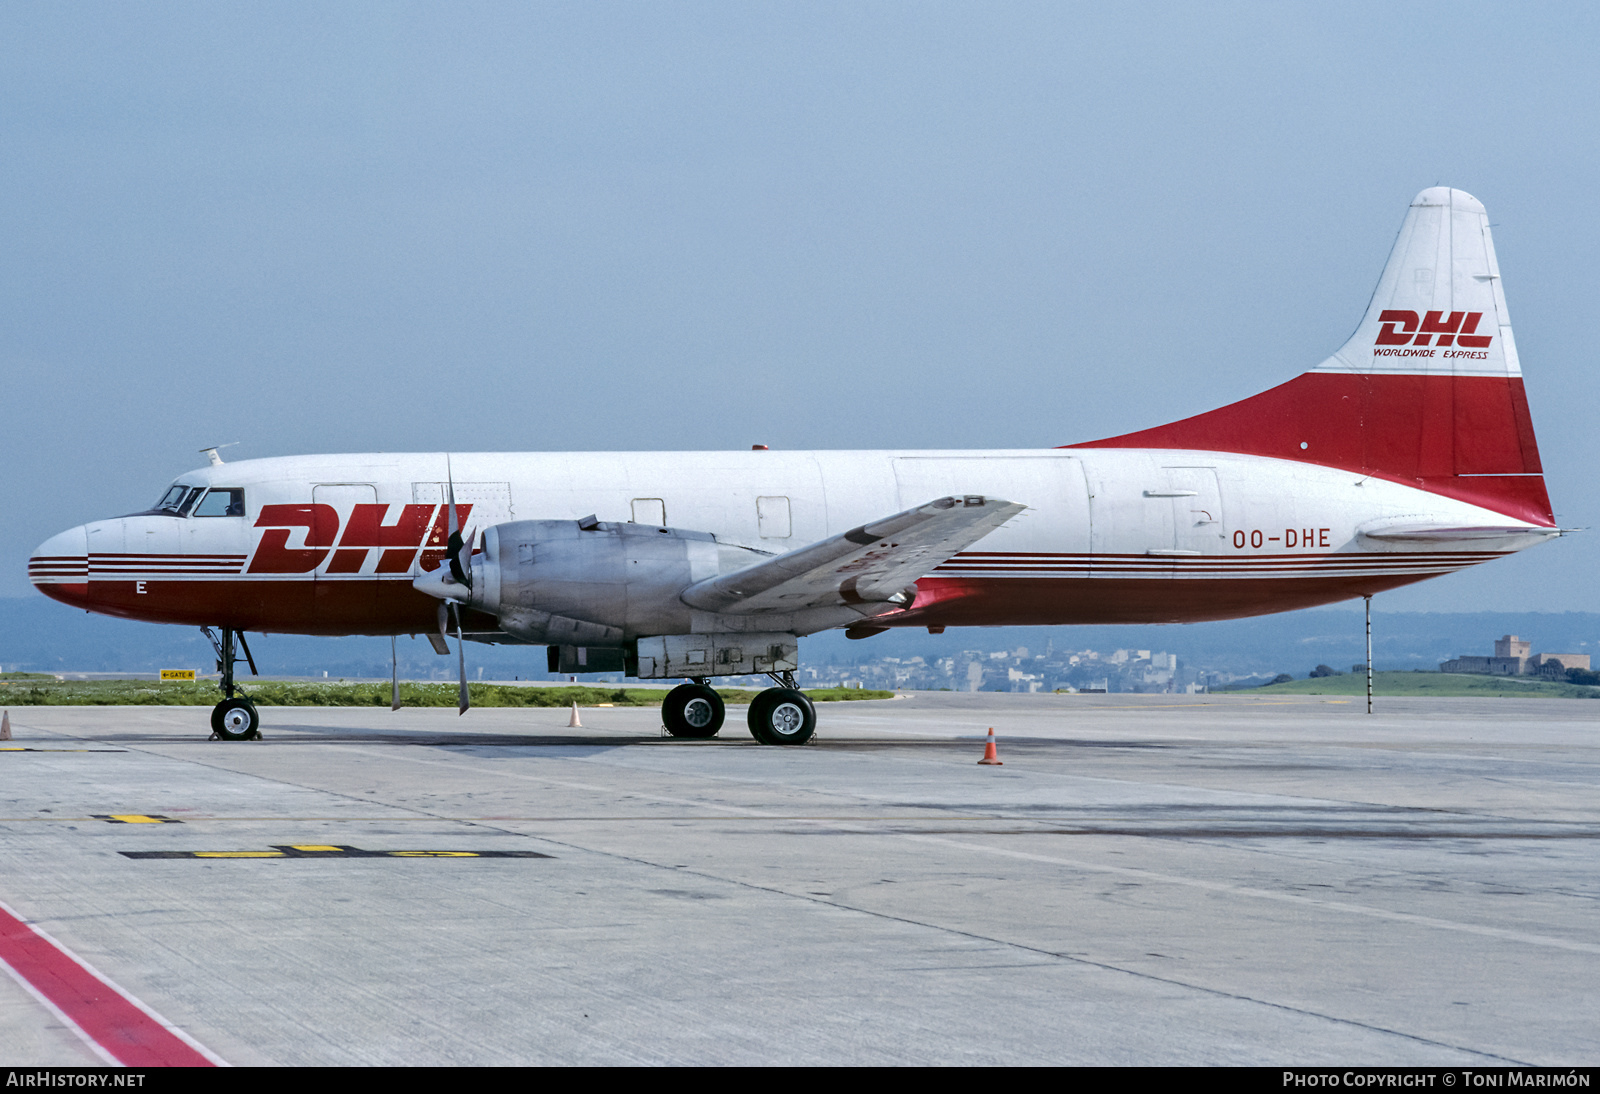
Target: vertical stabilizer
pixel 1428 391
pixel 1438 309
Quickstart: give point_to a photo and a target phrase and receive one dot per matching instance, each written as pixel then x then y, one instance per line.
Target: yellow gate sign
pixel 177 674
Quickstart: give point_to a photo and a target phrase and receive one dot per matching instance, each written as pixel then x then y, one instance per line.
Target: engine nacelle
pixel 591 583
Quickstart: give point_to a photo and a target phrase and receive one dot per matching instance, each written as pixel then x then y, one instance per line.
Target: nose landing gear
pixel 235 718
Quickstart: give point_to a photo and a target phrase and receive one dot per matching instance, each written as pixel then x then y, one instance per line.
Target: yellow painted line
pixel 136 818
pixel 308 851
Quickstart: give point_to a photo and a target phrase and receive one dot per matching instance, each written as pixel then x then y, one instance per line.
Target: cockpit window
pixel 221 502
pixel 178 498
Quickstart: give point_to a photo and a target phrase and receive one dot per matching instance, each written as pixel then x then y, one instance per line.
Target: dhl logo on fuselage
pixel 417 528
pixel 1458 329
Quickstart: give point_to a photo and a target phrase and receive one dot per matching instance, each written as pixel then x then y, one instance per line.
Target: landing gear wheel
pixel 692 710
pixel 236 720
pixel 782 716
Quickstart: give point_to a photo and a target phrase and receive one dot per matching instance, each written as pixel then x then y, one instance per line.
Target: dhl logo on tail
pixel 1458 329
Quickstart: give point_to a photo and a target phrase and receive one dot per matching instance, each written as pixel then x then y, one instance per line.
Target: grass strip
pixel 36 689
pixel 1439 685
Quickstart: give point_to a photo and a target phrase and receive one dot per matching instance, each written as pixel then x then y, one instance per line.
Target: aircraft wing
pixel 873 564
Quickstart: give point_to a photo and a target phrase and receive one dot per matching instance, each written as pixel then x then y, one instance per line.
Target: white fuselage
pixel 1110 535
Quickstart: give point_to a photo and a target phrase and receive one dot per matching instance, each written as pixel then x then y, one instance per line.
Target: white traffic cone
pixel 5 726
pixel 576 722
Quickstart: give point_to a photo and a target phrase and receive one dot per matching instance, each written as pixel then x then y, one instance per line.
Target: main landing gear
pixel 693 710
pixel 235 718
pixel 782 715
pixel 778 716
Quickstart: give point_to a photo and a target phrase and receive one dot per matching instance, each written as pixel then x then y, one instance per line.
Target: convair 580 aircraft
pixel 1408 453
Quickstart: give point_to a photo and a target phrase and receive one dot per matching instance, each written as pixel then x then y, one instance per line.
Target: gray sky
pixel 323 228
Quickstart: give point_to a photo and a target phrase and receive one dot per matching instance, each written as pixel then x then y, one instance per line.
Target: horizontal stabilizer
pixel 873 566
pixel 1453 533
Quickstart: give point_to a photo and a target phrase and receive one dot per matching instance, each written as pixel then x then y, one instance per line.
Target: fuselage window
pixel 772 517
pixel 225 502
pixel 650 511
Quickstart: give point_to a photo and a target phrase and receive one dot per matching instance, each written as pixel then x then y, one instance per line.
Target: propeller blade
pixel 459 570
pixel 450 497
pixel 462 701
pixel 394 665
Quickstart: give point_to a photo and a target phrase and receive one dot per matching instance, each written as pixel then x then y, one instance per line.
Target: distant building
pixel 1023 681
pixel 1514 657
pixel 1512 647
pixel 1565 660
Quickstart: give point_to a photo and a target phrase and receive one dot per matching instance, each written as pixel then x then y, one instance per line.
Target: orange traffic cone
pixel 989 756
pixel 575 722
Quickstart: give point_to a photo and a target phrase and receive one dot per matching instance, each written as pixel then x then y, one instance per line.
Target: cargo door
pixel 1132 504
pixel 1196 510
pixel 1154 521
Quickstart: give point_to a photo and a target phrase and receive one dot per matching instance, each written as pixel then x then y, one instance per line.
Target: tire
pixel 693 711
pixel 782 716
pixel 236 719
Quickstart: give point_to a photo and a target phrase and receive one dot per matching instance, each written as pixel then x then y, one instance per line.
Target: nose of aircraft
pixel 59 567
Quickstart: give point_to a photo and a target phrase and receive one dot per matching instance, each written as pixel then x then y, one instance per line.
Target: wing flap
pixel 874 564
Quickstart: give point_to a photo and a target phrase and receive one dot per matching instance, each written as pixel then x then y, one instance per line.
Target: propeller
pixel 462 701
pixel 460 566
pixel 461 570
pixel 452 584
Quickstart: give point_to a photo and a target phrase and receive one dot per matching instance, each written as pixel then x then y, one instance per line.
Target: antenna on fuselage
pixel 212 453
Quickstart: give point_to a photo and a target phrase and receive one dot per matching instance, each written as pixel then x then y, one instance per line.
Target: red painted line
pixel 117 1026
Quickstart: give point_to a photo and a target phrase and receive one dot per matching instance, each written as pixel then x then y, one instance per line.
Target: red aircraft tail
pixel 1427 392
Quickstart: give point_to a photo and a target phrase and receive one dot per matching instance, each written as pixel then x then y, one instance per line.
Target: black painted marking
pixel 328 850
pixel 1286 832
